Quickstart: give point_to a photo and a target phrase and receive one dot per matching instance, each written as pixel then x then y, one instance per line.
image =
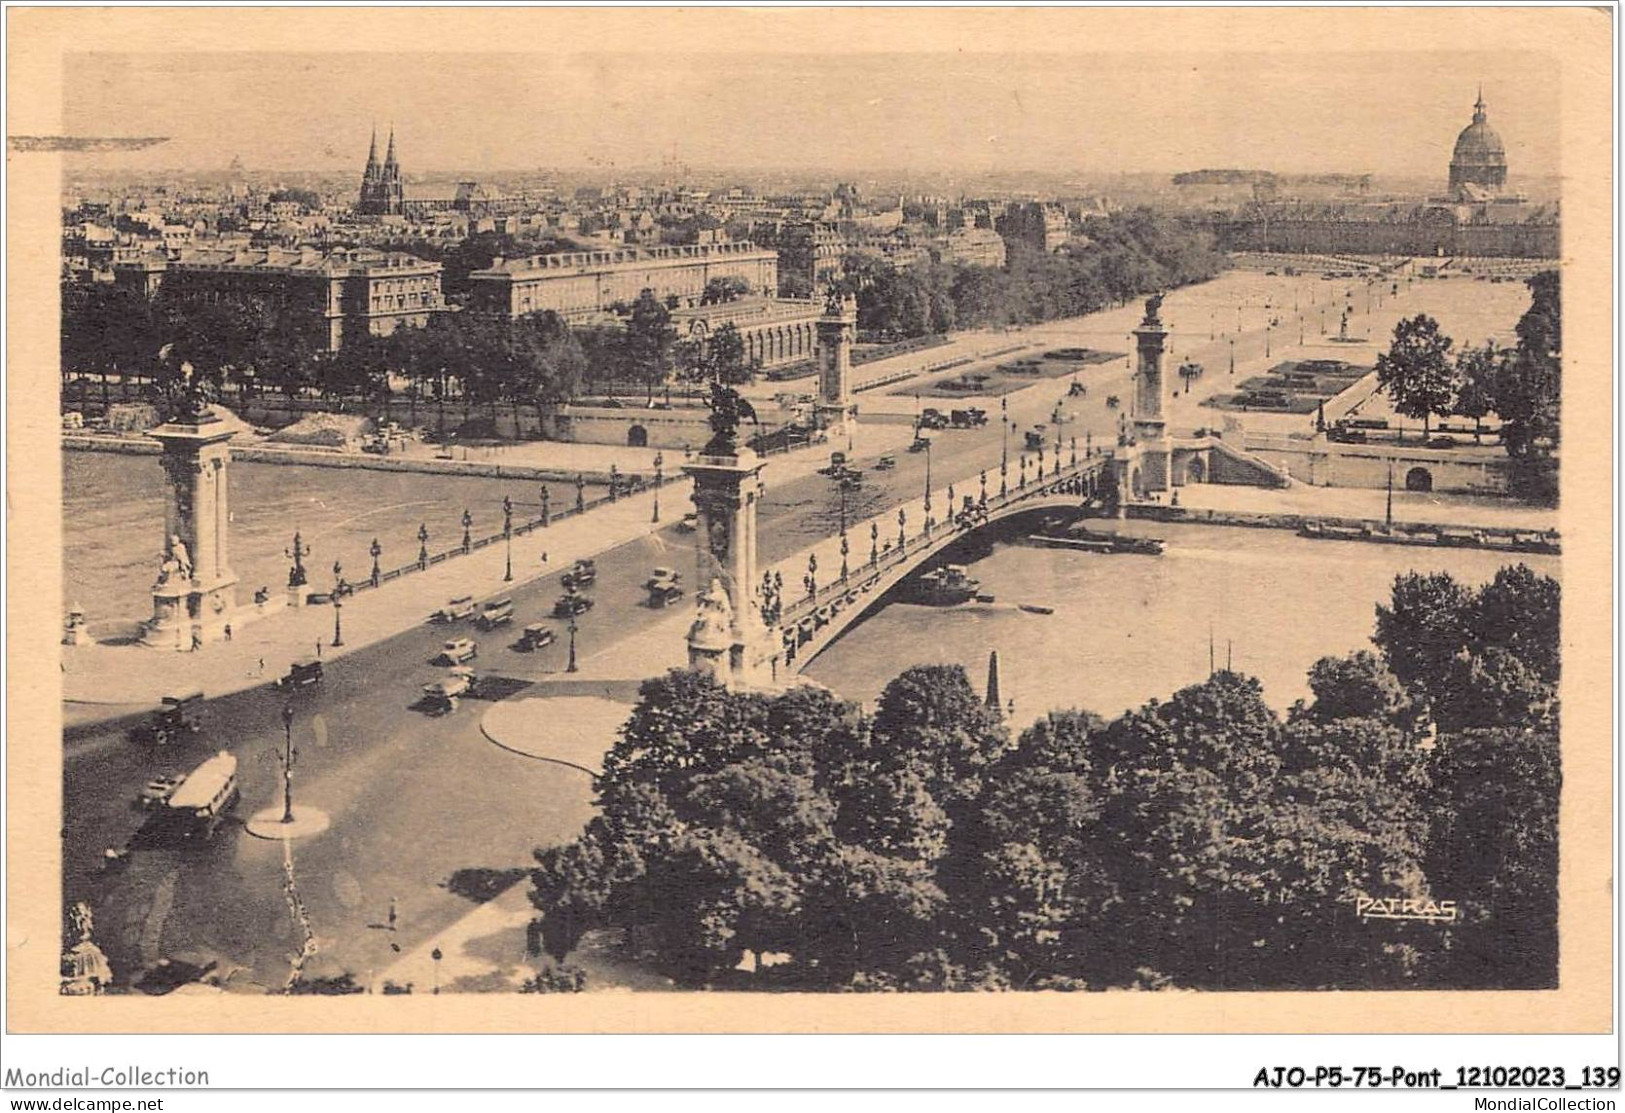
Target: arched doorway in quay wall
pixel 637 437
pixel 1419 479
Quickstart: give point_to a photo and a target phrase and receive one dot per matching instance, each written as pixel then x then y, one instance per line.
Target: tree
pixel 1493 849
pixel 1477 381
pixel 720 358
pixel 1415 371
pixel 720 291
pixel 649 340
pixel 1358 686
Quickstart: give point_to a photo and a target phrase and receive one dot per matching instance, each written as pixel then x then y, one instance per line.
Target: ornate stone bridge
pixel 811 623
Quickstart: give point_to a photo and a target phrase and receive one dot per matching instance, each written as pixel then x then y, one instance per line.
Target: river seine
pixel 1127 628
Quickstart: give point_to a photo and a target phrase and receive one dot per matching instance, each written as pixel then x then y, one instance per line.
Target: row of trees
pixel 258 346
pixel 1200 842
pixel 1125 256
pixel 1425 376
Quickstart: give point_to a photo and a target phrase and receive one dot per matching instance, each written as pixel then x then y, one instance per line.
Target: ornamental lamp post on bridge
pixel 1074 461
pixel 845 548
pixel 570 625
pixel 981 480
pixel 812 575
pixel 928 488
pixel 507 537
pixel 1004 445
pixel 1023 484
pixel 874 544
pixel 468 524
pixel 340 589
pixel 547 507
pixel 581 492
pixel 296 575
pixel 902 528
pixel 660 460
pixel 614 483
pixel 423 546
pixel 375 550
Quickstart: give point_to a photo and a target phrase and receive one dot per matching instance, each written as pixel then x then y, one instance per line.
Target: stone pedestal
pixel 729 639
pixel 195 596
pixel 837 331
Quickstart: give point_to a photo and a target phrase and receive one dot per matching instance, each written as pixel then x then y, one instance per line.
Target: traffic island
pixel 307 821
pixel 572 730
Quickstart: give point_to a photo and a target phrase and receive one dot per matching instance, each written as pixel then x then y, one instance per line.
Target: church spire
pixel 1478 106
pixel 390 166
pixel 371 171
pixel 992 700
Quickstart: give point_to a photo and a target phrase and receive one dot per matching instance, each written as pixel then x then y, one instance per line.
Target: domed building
pixel 1478 167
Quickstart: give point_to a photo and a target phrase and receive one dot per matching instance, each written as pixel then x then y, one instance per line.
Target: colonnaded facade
pixel 581 285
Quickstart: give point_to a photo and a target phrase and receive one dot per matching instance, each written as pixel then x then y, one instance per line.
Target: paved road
pixel 415 799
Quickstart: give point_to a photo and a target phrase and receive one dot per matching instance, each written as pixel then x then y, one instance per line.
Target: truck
pixel 968 419
pixel 304 673
pixel 175 717
pixel 457 651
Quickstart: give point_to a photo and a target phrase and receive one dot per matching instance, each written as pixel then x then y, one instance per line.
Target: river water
pixel 113 524
pixel 1127 628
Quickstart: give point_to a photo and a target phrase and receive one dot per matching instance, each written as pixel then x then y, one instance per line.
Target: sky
pixel 570 108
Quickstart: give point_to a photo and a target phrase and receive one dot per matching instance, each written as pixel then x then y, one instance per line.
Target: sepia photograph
pixel 1081 524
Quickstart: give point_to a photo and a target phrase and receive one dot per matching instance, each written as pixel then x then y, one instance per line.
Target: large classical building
pixel 382 191
pixel 349 294
pixel 775 331
pixel 581 285
pixel 1477 216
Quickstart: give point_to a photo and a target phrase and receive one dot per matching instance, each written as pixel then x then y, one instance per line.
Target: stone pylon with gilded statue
pixel 194 598
pixel 729 637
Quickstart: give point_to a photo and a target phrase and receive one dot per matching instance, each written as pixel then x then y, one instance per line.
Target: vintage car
pixel 920 444
pixel 581 574
pixel 457 651
pixel 968 419
pixel 570 605
pixel 536 636
pixel 176 716
pixel 690 522
pixel 665 586
pixel 157 791
pixel 494 614
pixel 886 463
pixel 440 697
pixel 302 674
pixel 456 609
pixel 931 418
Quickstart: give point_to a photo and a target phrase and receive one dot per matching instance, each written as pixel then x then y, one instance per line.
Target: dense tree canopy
pixel 1201 841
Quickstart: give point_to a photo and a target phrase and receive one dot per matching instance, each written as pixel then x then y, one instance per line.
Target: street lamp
pixel 981 479
pixel 376 550
pixel 928 488
pixel 1232 355
pixel 423 546
pixel 844 545
pixel 902 528
pixel 287 763
pixel 468 524
pixel 339 589
pixel 874 544
pixel 507 536
pixel 581 489
pixel 570 666
pixel 1023 484
pixel 547 507
pixel 812 575
pixel 660 460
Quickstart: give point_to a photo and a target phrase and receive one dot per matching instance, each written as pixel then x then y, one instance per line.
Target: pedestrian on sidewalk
pixel 227 631
pixel 197 639
pixel 394 912
pixel 262 666
pixel 544 556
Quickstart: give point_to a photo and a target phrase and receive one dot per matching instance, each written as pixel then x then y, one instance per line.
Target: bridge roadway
pixel 414 799
pixel 815 621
